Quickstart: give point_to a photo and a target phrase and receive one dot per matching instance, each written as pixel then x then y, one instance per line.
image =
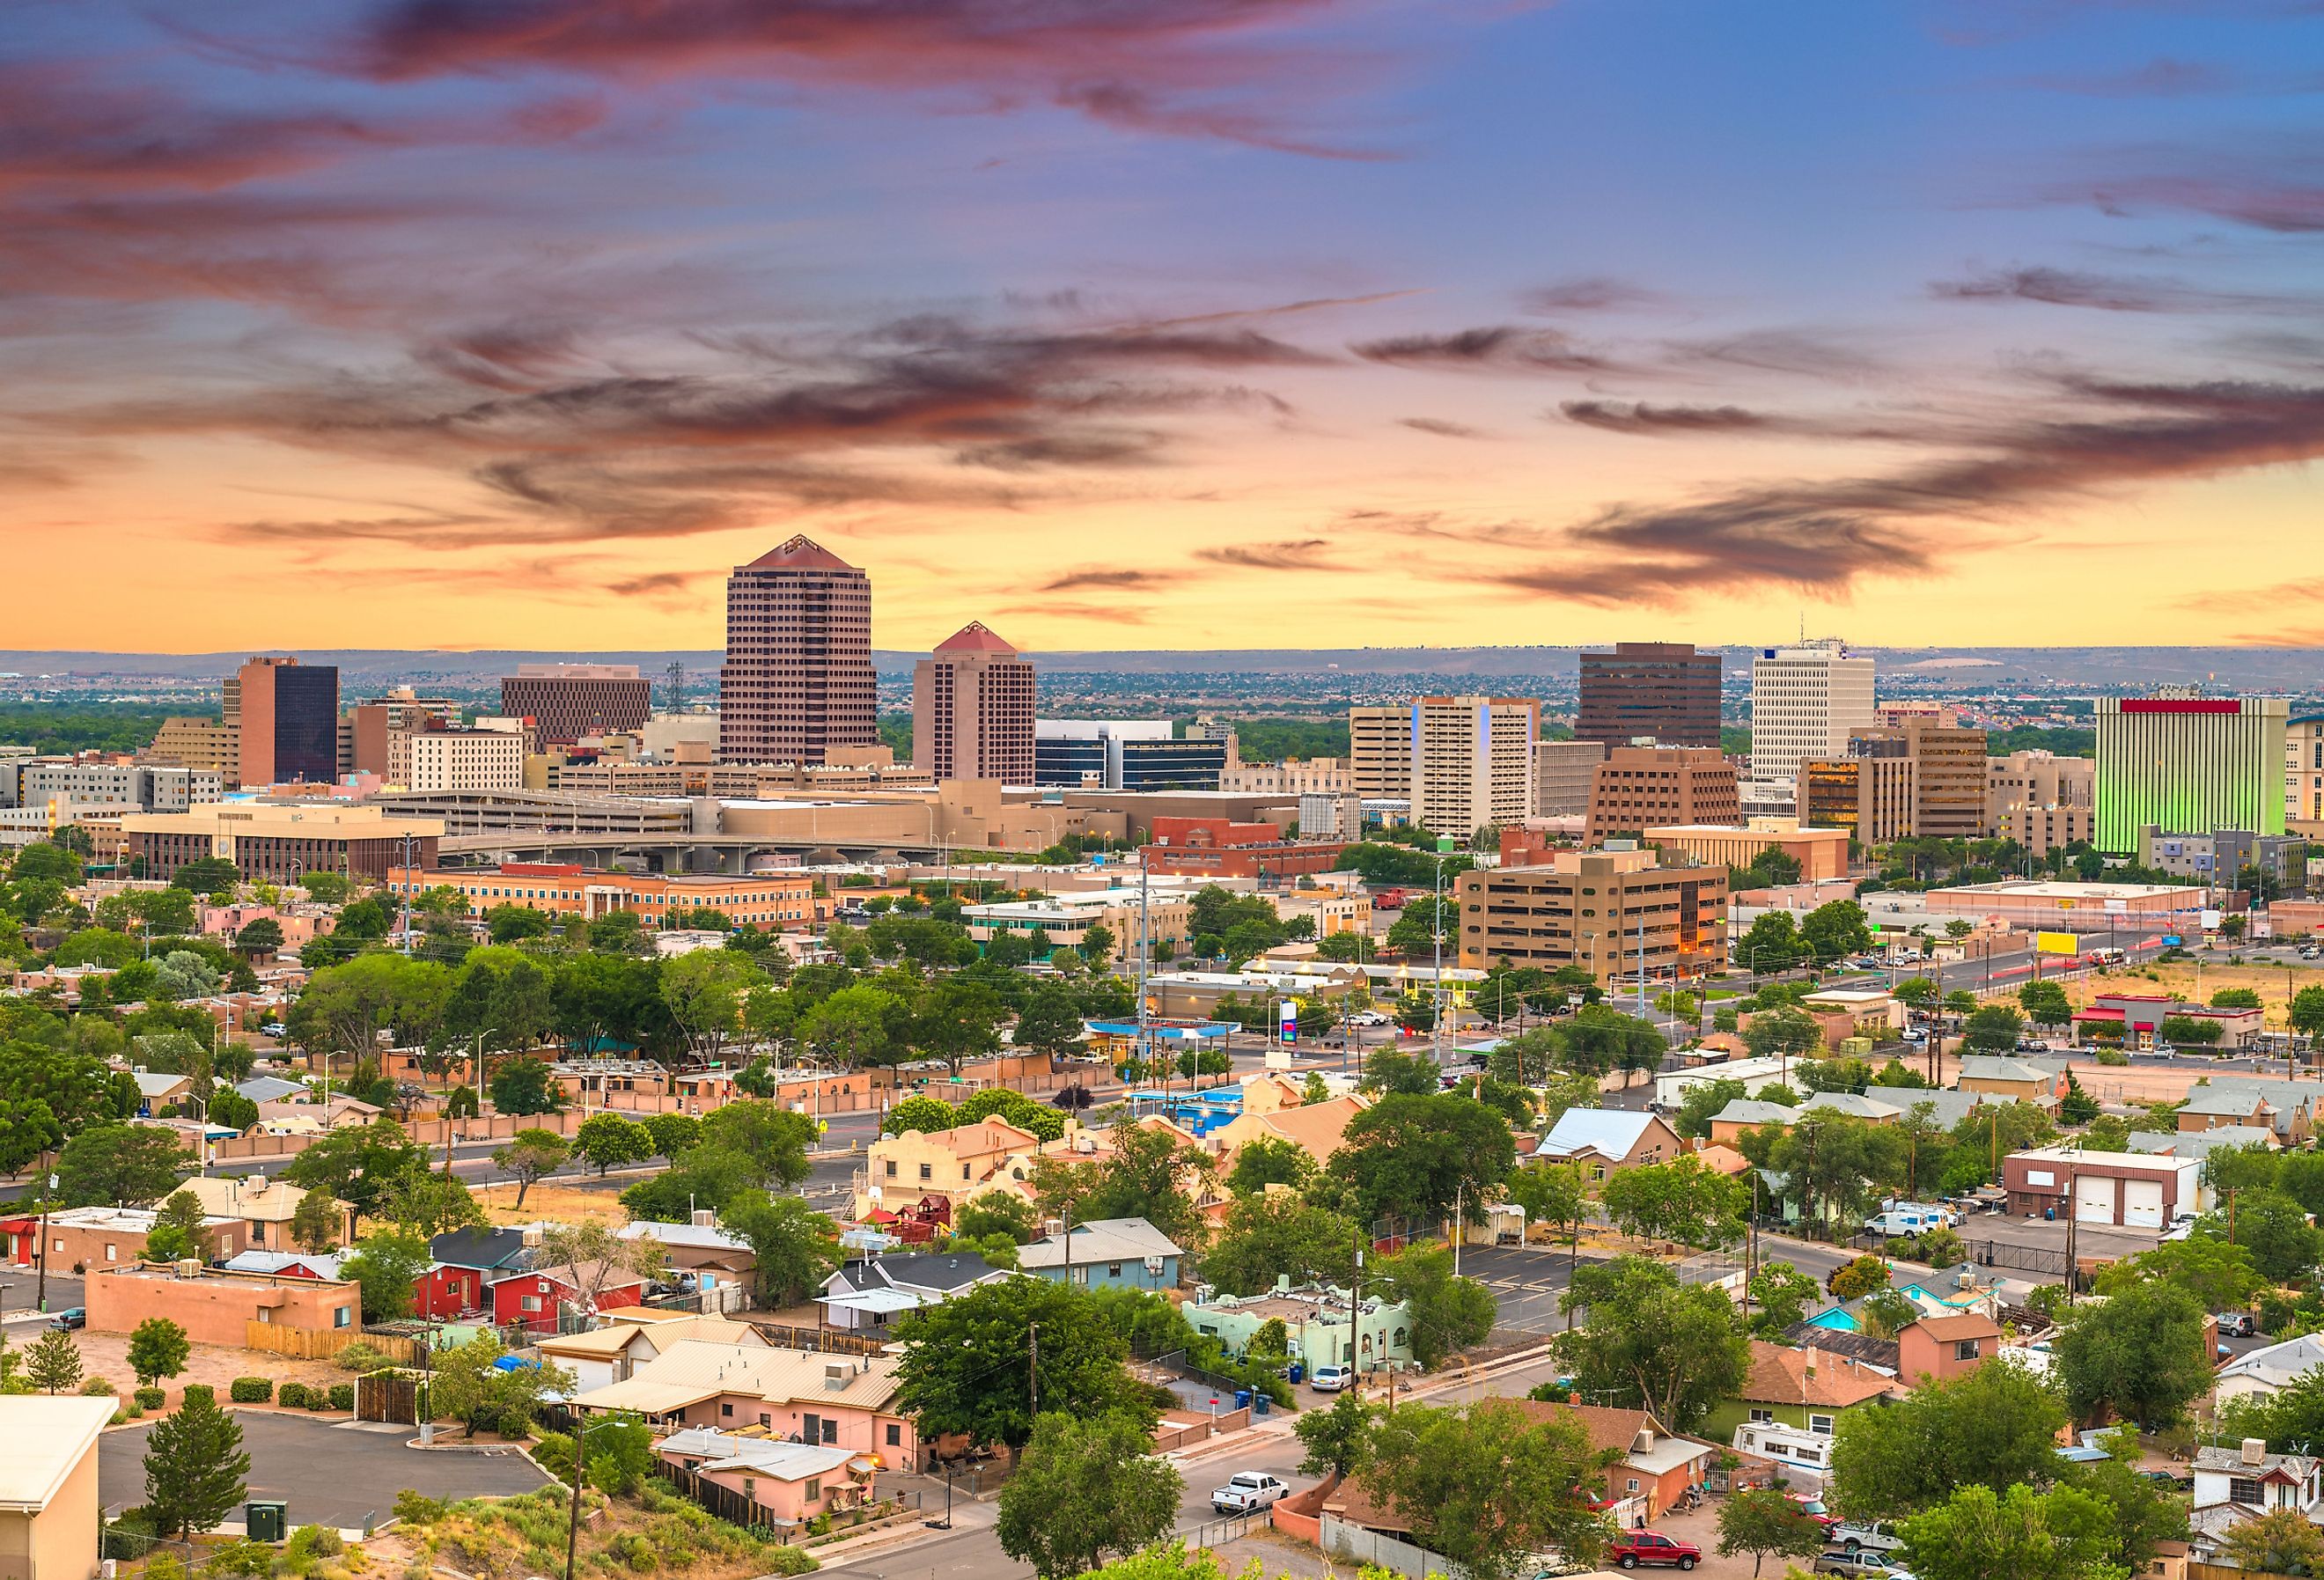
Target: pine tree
pixel 54 1362
pixel 196 1471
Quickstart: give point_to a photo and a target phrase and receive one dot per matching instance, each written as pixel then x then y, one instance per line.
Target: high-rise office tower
pixel 1806 701
pixel 1660 693
pixel 1379 752
pixel 796 686
pixel 287 715
pixel 972 709
pixel 2186 764
pixel 1472 761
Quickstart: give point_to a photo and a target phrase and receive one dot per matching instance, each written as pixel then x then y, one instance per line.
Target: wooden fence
pixel 829 1341
pixel 321 1344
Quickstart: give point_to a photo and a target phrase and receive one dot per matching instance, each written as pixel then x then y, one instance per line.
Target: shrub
pixel 242 1557
pixel 516 1424
pixel 342 1396
pixel 251 1389
pixel 120 1418
pixel 318 1397
pixel 148 1399
pixel 2112 1055
pixel 291 1396
pixel 788 1560
pixel 201 1390
pixel 360 1357
pixel 413 1508
pixel 97 1386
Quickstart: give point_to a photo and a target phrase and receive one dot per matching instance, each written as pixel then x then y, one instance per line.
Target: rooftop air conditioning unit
pixel 838 1373
pixel 191 1268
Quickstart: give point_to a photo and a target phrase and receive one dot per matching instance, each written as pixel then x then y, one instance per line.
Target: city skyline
pixel 1175 324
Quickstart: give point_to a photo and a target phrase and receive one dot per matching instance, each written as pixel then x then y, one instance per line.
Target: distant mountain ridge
pixel 2226 668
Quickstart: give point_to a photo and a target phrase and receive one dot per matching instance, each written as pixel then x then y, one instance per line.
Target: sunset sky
pixel 1163 323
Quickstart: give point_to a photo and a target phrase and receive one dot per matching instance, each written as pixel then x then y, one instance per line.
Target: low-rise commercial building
pixel 50 1514
pixel 1065 919
pixel 778 900
pixel 1613 912
pixel 2133 1190
pixel 277 844
pixel 1219 847
pixel 2063 905
pixel 1821 853
pixel 215 1307
pixel 1644 787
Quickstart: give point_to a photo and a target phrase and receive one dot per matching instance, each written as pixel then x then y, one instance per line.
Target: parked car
pixel 1370 1018
pixel 2171 1478
pixel 1868 1536
pixel 1814 1508
pixel 72 1317
pixel 1330 1379
pixel 1246 1492
pixel 1864 1562
pixel 1638 1549
pixel 2235 1324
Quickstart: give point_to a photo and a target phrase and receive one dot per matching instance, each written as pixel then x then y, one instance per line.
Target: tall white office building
pixel 1806 701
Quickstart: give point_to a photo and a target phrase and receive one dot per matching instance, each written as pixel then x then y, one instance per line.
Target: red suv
pixel 1633 1548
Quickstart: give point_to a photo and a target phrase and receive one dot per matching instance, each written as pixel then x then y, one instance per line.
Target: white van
pixel 1904 1220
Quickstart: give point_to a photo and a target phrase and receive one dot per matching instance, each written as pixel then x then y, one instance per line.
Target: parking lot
pixel 330 1475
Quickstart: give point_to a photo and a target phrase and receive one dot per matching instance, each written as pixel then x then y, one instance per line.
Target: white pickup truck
pixel 1248 1491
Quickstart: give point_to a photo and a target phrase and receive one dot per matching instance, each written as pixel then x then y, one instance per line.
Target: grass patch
pixel 656 1532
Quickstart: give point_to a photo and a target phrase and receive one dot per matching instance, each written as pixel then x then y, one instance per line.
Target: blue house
pixel 1106 1253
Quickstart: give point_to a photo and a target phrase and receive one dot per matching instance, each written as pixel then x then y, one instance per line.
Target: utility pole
pixel 1355 1299
pixel 1032 1367
pixel 573 1512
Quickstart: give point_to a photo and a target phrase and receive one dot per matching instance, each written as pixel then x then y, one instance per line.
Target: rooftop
pixel 798 552
pixel 42 1438
pixel 1811 1376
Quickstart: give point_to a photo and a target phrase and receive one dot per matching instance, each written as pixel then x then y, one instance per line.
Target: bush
pixel 787 1560
pixel 342 1396
pixel 251 1389
pixel 360 1357
pixel 516 1424
pixel 97 1386
pixel 202 1391
pixel 148 1399
pixel 318 1397
pixel 291 1396
pixel 413 1508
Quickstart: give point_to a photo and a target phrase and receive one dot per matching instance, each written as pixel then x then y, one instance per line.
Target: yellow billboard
pixel 2057 943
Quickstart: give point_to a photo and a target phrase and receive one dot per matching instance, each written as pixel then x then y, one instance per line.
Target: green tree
pixel 196 1471
pixel 672 1134
pixel 531 1155
pixel 1270 1160
pixel 2140 1352
pixel 2045 1003
pixel 158 1348
pixel 468 1385
pixel 1650 1341
pixel 1783 1032
pixel 1992 1028
pixel 259 936
pixel 1704 1101
pixel 1781 1291
pixel 1556 1194
pixel 2076 1106
pixel 609 1141
pixel 1413 1156
pixel 1265 1237
pixel 359 1164
pixel 1771 944
pixel 1448 1313
pixel 525 1085
pixel 1680 1200
pixel 2307 1011
pixel 178 1233
pixel 2219 1276
pixel 795 1246
pixel 2061 1534
pixel 1338 1440
pixel 1050 1022
pixel 121 1165
pixel 965 1366
pixel 2280 1541
pixel 208 874
pixel 2146 1513
pixel 2284 1246
pixel 510 923
pixel 1086 1487
pixel 1995 1427
pixel 918 1114
pixel 1858 1276
pixel 996 1212
pixel 54 1362
pixel 1488 1485
pixel 315 1221
pixel 704 992
pixel 1834 929
pixel 387 1267
pixel 1765 1523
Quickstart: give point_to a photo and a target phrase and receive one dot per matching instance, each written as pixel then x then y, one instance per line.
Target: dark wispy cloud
pixel 1442 428
pixel 1823 354
pixel 1639 417
pixel 1493 349
pixel 1298 554
pixel 1092 577
pixel 1594 293
pixel 1233 69
pixel 2108 292
pixel 1823 536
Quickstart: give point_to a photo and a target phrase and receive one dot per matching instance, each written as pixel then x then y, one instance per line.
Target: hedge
pixel 342 1396
pixel 148 1399
pixel 201 1390
pixel 251 1389
pixel 291 1396
pixel 318 1397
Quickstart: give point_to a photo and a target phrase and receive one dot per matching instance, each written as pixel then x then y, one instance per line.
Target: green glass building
pixel 2187 764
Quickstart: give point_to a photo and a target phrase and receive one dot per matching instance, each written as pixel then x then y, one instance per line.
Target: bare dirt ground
pixel 106 1355
pixel 563 1200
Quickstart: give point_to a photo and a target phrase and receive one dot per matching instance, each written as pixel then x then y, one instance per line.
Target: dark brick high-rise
pixel 797 687
pixel 1663 691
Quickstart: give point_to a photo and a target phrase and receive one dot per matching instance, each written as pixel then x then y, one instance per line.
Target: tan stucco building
pixel 49 1512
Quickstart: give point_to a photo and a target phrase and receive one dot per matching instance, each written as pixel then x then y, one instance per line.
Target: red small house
pixel 533 1299
pixel 444 1292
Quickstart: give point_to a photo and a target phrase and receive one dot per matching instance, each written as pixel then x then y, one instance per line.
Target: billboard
pixel 2057 943
pixel 2210 921
pixel 1290 1021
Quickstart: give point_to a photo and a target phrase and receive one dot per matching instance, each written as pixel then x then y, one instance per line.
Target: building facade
pixel 1379 751
pixel 210 745
pixel 796 686
pixel 1472 761
pixel 1638 787
pixel 277 843
pixel 1806 701
pixel 1612 913
pixel 2188 764
pixel 1123 755
pixel 438 761
pixel 972 709
pixel 566 702
pixel 1658 693
pixel 773 901
pixel 1869 797
pixel 1821 853
pixel 1565 773
pixel 2039 800
pixel 1219 847
pixel 36 781
pixel 286 721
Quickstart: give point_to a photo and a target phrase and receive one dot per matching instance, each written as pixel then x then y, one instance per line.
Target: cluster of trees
pixel 1773 942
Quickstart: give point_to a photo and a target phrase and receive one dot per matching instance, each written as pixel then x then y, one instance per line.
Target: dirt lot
pixel 566 1201
pixel 106 1355
pixel 2275 984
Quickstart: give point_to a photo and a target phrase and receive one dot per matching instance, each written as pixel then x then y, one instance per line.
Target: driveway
pixel 335 1476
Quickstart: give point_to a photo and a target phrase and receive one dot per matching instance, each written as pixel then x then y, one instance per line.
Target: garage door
pixel 2142 1204
pixel 2094 1199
